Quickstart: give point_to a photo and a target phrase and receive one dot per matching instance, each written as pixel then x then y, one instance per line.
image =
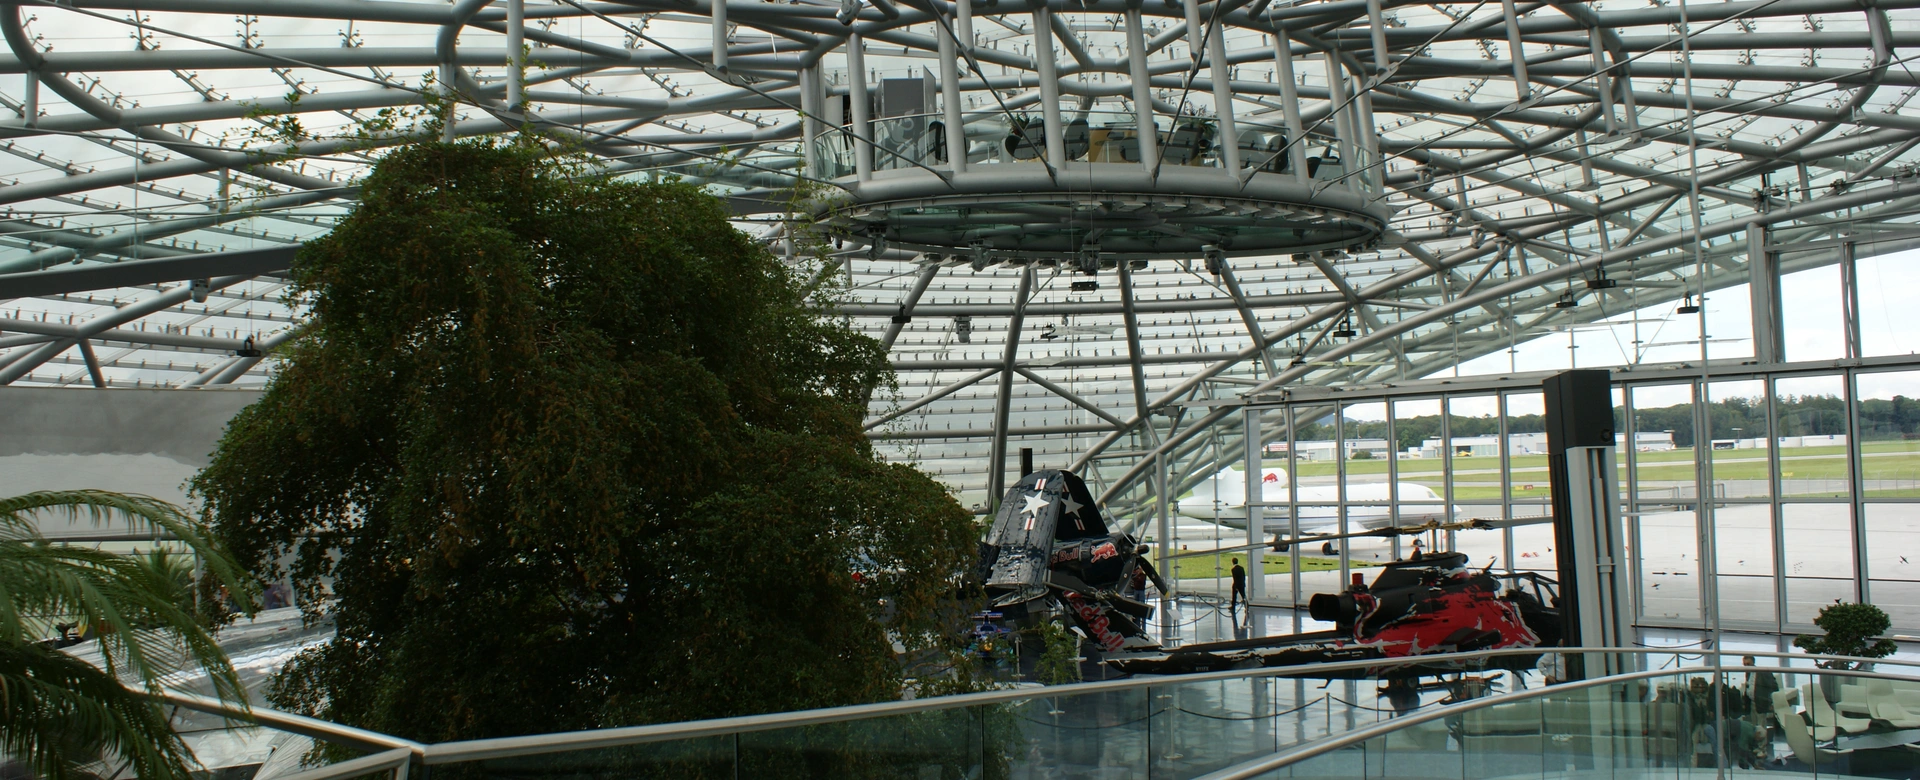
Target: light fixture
pixel 982 254
pixel 1215 257
pixel 1086 286
pixel 1089 260
pixel 902 317
pixel 963 328
pixel 247 349
pixel 1345 329
pixel 1566 301
pixel 1600 281
pixel 1687 306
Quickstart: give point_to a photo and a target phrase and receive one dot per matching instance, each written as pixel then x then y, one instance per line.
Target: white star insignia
pixel 1073 507
pixel 1035 503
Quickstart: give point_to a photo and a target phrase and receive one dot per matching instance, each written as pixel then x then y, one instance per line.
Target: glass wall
pixel 1748 498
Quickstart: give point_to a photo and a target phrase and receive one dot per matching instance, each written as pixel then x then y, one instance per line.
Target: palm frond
pixel 138 512
pixel 57 712
pixel 147 625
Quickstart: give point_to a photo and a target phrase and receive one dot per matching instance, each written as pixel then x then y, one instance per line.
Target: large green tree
pixel 564 452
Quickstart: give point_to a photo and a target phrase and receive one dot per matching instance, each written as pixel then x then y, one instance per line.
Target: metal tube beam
pixel 1521 87
pixel 861 108
pixel 114 319
pixel 1003 401
pixel 516 53
pixel 1290 104
pixel 1246 313
pixel 1218 67
pixel 906 306
pixel 1134 353
pixel 956 131
pixel 1148 134
pixel 93 364
pixel 1070 396
pixel 719 56
pixel 930 397
pixel 1049 87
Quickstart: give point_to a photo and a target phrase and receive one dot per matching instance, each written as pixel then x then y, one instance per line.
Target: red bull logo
pixel 1096 622
pixel 1270 477
pixel 1104 552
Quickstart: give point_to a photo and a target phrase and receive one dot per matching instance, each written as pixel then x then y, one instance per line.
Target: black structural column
pixel 1589 539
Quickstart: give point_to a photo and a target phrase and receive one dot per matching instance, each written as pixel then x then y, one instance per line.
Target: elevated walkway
pixel 1320 721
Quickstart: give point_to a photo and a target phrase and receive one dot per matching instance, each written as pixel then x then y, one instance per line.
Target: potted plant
pixel 1850 631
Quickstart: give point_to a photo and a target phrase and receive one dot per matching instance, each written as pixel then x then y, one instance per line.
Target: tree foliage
pixel 1850 631
pixel 59 713
pixel 568 452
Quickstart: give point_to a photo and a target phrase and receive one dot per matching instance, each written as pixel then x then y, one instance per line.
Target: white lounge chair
pixel 1884 705
pixel 1823 713
pixel 1800 739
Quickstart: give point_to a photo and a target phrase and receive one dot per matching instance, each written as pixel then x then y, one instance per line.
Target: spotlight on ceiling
pixel 1687 306
pixel 1600 281
pixel 1566 301
pixel 1086 286
pixel 1345 329
pixel 963 328
pixel 1216 259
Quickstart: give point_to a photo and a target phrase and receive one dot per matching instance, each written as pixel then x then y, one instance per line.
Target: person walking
pixel 1239 587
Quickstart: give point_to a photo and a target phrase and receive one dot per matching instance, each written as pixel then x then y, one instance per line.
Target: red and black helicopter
pixel 1051 553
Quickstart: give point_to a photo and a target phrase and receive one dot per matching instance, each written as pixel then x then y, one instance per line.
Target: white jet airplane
pixel 1222 498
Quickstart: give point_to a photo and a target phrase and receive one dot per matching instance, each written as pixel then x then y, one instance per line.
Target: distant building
pixel 1646 441
pixel 1487 446
pixel 1323 450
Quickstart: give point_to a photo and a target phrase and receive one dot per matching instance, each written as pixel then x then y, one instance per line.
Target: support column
pixel 1763 289
pixel 447 130
pixel 997 454
pixel 1290 104
pixel 1149 137
pixel 810 123
pixel 1342 109
pixel 1523 89
pixel 516 53
pixel 720 35
pixel 1377 25
pixel 1218 71
pixel 1163 534
pixel 1133 348
pixel 1602 82
pixel 1256 521
pixel 956 135
pixel 1589 538
pixel 861 108
pixel 30 111
pixel 963 24
pixel 1849 299
pixel 1049 86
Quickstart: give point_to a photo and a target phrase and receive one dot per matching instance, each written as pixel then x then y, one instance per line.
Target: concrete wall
pixel 131 441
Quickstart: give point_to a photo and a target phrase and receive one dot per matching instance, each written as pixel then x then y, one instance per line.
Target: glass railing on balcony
pixel 904 142
pixel 1825 723
pixel 1492 717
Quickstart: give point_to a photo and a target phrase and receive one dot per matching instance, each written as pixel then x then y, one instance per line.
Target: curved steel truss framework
pixel 1531 166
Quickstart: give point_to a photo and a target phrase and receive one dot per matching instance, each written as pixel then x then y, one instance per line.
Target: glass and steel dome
pixel 1331 191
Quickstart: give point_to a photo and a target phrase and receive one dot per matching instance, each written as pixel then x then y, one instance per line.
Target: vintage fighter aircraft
pixel 1050 552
